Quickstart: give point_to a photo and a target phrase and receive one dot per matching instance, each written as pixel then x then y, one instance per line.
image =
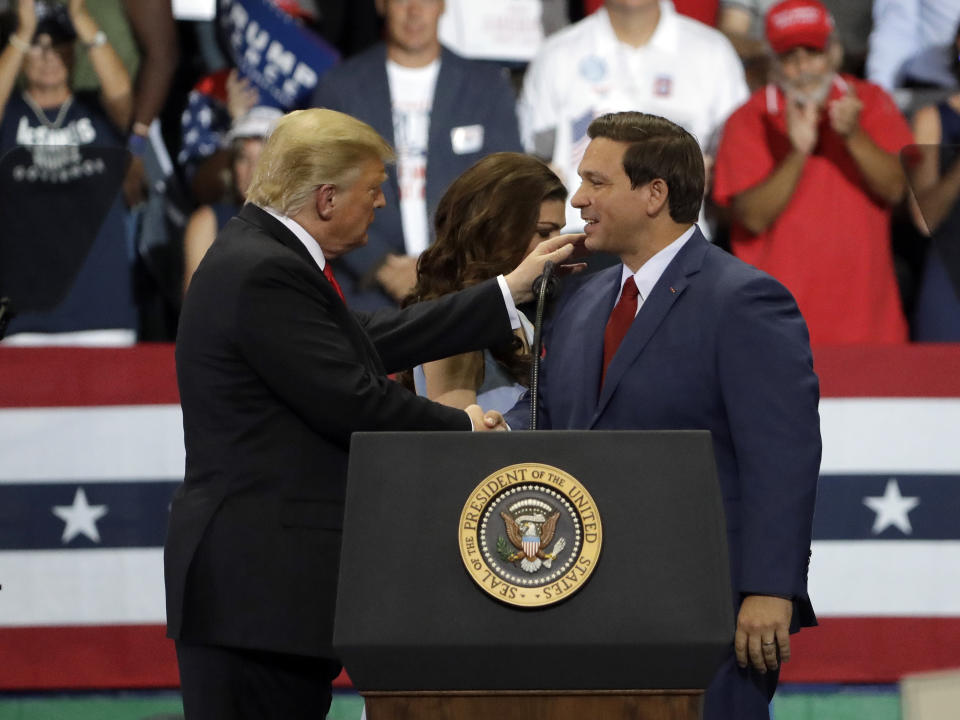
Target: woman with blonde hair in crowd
pixel 490 218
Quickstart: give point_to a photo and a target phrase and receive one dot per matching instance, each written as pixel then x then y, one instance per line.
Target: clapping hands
pixel 844 114
pixel 803 119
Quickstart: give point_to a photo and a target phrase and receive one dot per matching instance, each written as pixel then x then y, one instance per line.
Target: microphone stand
pixel 6 313
pixel 543 287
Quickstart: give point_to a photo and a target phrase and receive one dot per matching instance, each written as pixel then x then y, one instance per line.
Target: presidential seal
pixel 530 535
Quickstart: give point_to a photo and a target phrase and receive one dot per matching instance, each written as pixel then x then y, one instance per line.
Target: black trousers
pixel 220 683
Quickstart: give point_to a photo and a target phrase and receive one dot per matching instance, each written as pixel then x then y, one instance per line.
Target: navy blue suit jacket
pixel 467 93
pixel 721 346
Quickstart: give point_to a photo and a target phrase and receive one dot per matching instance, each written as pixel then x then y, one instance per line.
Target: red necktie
pixel 328 274
pixel 619 322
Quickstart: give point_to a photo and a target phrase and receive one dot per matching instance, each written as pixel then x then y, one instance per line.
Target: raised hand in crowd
pixel 802 121
pixel 26 19
pixel 844 113
pixel 80 17
pixel 116 89
pixel 241 95
pixel 12 56
pixel 83 22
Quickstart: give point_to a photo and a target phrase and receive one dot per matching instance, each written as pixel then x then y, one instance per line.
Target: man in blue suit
pixel 682 335
pixel 441 112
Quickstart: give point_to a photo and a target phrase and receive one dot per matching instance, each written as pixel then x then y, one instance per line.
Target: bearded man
pixel 809 169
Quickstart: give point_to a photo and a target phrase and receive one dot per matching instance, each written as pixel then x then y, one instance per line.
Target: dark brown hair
pixel 483 224
pixel 661 149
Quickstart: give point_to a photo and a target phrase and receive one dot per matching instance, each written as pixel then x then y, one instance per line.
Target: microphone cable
pixel 543 287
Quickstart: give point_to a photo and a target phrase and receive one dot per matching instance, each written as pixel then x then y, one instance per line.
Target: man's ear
pixel 325 198
pixel 659 196
pixel 381 6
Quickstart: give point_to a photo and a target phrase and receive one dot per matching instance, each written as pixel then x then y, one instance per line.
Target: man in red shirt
pixel 809 169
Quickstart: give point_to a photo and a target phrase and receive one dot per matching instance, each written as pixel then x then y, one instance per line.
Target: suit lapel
pixel 445 96
pixel 666 292
pixel 376 84
pixel 592 306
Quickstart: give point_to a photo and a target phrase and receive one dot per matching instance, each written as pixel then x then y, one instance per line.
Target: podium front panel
pixel 657 611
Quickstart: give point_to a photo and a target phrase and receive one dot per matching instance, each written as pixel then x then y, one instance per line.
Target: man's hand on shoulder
pixel 487 421
pixel 763 628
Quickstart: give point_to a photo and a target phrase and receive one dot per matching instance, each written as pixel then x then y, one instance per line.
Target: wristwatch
pixel 99 39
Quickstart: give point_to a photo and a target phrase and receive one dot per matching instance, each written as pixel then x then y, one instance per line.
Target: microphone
pixel 547 278
pixel 543 287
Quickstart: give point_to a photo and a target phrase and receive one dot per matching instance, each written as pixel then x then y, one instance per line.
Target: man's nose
pixel 804 61
pixel 381 200
pixel 579 198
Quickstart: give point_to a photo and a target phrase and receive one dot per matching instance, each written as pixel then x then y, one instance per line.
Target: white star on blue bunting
pixel 80 518
pixel 892 509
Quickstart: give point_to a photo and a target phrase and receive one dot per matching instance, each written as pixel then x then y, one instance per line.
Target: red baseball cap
pixel 798 23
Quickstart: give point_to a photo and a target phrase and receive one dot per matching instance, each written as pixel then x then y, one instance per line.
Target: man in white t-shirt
pixel 629 55
pixel 504 30
pixel 441 112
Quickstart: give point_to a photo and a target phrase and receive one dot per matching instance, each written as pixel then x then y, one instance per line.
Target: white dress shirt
pixel 649 273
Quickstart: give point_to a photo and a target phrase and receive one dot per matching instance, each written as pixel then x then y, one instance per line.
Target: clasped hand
pixel 491 420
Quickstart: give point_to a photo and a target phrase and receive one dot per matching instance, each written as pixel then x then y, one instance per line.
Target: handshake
pixel 491 420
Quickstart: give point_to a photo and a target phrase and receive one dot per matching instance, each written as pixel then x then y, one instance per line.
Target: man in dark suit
pixel 275 373
pixel 682 335
pixel 442 112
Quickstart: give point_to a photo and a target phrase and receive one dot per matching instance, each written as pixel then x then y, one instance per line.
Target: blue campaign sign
pixel 275 51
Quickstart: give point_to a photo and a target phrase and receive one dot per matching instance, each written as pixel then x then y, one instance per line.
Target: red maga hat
pixel 798 23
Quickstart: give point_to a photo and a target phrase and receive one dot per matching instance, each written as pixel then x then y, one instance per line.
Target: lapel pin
pixel 673 290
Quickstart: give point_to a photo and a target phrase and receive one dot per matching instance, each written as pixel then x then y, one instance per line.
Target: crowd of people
pixel 826 130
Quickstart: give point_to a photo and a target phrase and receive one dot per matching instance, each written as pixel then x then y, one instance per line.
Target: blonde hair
pixel 310 148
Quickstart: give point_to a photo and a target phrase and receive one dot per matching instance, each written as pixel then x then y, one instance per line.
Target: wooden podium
pixel 535 705
pixel 641 637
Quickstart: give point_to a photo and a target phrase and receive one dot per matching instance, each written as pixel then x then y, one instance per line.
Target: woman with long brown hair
pixel 489 219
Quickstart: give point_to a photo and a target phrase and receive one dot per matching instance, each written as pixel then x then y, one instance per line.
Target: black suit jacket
pixel 275 373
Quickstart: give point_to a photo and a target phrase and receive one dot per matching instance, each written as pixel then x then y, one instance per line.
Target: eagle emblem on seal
pixel 531 530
